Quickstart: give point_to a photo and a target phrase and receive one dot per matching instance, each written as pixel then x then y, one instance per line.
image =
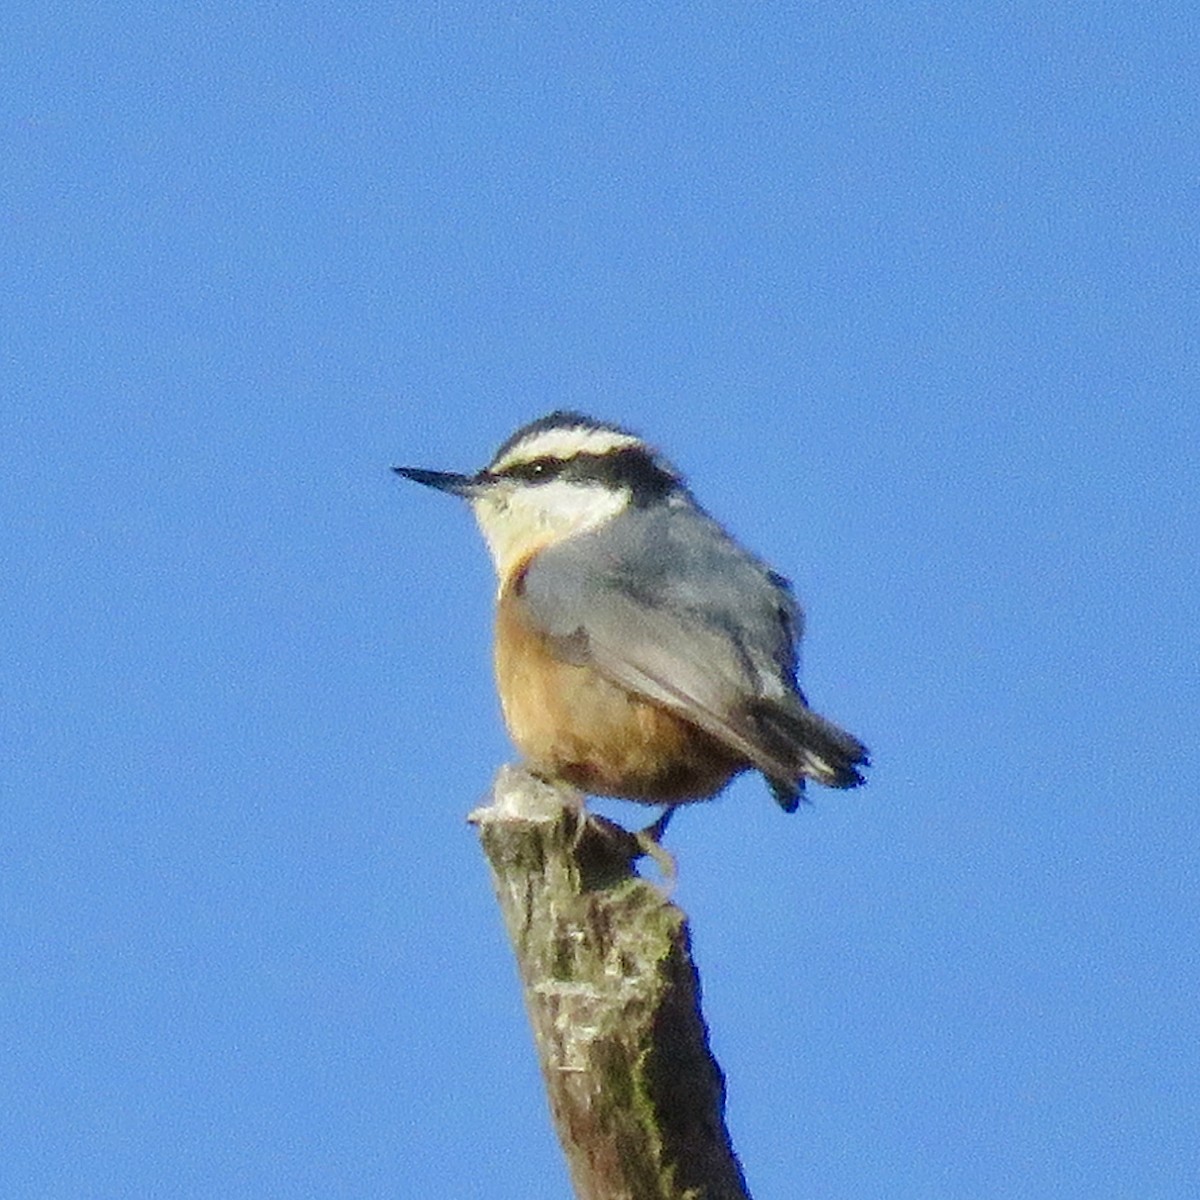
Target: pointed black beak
pixel 444 481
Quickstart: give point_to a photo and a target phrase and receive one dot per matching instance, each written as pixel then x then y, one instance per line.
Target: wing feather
pixel 700 627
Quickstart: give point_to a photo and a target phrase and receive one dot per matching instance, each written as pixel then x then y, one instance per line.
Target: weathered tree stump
pixel 614 1000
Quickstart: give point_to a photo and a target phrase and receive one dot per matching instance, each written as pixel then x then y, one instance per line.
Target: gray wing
pixel 663 602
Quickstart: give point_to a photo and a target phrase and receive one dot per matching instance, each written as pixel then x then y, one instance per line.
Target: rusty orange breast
pixel 572 723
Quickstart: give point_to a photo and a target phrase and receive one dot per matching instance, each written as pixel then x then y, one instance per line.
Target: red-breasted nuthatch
pixel 640 651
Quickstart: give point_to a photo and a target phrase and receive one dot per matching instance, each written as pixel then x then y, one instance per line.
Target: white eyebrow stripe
pixel 566 444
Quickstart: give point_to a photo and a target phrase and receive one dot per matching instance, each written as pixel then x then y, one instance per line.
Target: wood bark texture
pixel 614 999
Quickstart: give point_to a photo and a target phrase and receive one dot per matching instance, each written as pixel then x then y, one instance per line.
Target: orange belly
pixel 572 724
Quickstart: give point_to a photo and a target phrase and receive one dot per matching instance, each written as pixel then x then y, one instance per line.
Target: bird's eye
pixel 539 470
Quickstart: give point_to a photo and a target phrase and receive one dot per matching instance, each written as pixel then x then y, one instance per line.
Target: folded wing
pixel 702 628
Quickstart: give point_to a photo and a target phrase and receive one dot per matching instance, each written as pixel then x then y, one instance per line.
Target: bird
pixel 640 650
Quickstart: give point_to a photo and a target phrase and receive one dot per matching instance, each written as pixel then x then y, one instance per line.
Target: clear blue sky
pixel 911 293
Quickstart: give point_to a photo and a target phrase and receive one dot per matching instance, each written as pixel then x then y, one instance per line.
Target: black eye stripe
pixel 628 467
pixel 537 470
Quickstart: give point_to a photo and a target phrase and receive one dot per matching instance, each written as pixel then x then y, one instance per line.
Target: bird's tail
pixel 814 748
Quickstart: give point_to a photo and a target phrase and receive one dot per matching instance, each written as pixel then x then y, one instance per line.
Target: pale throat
pixel 516 524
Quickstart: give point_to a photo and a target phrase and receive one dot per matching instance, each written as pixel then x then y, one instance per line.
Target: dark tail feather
pixel 819 749
pixel 789 794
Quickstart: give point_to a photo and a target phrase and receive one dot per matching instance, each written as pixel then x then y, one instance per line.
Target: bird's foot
pixel 649 842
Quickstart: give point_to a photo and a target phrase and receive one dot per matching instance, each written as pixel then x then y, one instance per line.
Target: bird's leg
pixel 656 831
pixel 649 841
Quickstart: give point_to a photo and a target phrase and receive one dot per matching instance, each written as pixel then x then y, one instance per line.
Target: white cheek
pixel 491 514
pixel 513 528
pixel 516 524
